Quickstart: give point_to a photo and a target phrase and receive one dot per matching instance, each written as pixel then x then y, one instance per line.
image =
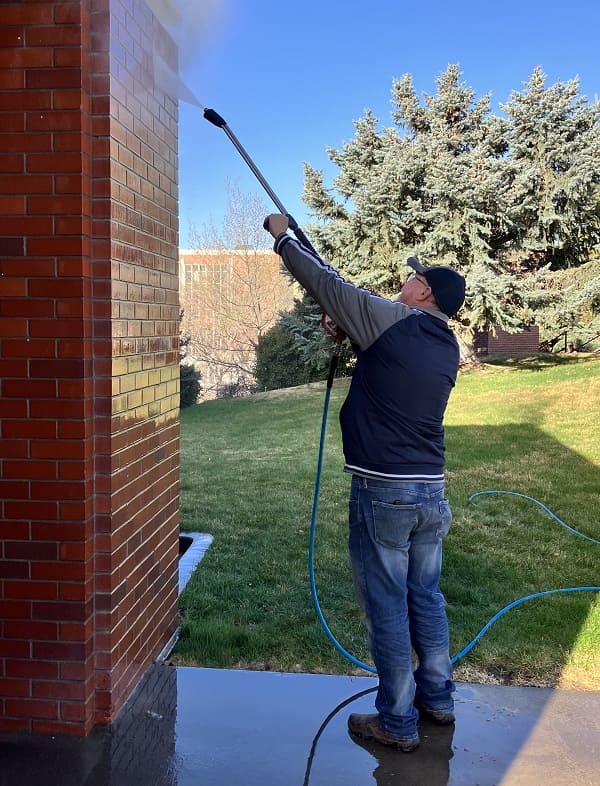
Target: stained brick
pixel 56 369
pixel 11 688
pixel 61 530
pixel 30 629
pixel 28 349
pixel 11 247
pixel 58 571
pixel 30 590
pixel 31 550
pixel 60 650
pixel 15 609
pixel 26 429
pixel 30 708
pixel 31 510
pixel 59 490
pixel 65 449
pixel 30 307
pixel 61 328
pixel 35 389
pixel 13 489
pixel 46 470
pixel 14 570
pixel 55 246
pixel 40 669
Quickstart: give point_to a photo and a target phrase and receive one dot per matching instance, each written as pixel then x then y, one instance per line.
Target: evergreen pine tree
pixel 502 199
pixel 554 139
pixel 434 185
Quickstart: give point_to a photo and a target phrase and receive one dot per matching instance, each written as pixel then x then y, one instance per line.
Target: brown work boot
pixel 441 717
pixel 368 727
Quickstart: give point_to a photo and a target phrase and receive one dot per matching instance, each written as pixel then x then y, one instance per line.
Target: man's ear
pixel 425 296
pixel 429 300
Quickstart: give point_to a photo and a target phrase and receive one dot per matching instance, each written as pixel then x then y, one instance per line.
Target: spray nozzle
pixel 214 118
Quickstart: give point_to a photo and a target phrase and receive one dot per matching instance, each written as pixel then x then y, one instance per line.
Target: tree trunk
pixel 468 356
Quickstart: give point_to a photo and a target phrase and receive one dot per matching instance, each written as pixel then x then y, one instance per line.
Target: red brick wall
pixel 138 560
pixel 88 361
pixel 525 342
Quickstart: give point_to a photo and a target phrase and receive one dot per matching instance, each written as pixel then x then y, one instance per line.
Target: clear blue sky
pixel 290 78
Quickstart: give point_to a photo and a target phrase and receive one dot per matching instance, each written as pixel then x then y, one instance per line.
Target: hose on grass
pixel 487 626
pixel 541 505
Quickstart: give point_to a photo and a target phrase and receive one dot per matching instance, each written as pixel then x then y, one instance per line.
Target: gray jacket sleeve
pixel 362 315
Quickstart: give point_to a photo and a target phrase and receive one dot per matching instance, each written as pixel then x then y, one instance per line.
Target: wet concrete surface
pixel 209 727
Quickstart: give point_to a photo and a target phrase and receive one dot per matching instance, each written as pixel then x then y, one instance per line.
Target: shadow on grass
pixel 540 361
pixel 502 548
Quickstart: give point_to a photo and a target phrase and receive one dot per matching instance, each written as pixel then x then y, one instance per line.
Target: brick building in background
pixel 89 326
pixel 500 342
pixel 229 298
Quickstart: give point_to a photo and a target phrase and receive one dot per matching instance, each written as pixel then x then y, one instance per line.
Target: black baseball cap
pixel 447 285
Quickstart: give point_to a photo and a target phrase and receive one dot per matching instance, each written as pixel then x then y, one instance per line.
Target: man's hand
pixel 276 224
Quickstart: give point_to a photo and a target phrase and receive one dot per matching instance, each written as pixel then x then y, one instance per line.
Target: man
pixel 393 440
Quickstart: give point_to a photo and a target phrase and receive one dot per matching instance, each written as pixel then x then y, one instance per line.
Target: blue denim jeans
pixel 395 543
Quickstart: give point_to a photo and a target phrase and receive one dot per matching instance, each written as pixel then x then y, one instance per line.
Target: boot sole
pixel 440 721
pixel 398 745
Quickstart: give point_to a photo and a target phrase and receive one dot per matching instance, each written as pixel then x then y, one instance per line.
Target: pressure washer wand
pixel 216 119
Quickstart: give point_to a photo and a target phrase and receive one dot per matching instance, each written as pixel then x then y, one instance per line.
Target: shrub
pixel 189 385
pixel 279 363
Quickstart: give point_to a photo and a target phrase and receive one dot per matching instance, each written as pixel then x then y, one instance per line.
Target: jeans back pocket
pixel 393 523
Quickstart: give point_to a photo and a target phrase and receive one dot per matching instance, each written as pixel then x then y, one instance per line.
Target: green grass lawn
pixel 247 478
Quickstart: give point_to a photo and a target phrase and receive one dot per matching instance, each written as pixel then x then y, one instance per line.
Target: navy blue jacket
pixel 406 367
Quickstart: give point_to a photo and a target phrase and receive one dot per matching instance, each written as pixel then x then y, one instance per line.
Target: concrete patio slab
pixel 210 727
